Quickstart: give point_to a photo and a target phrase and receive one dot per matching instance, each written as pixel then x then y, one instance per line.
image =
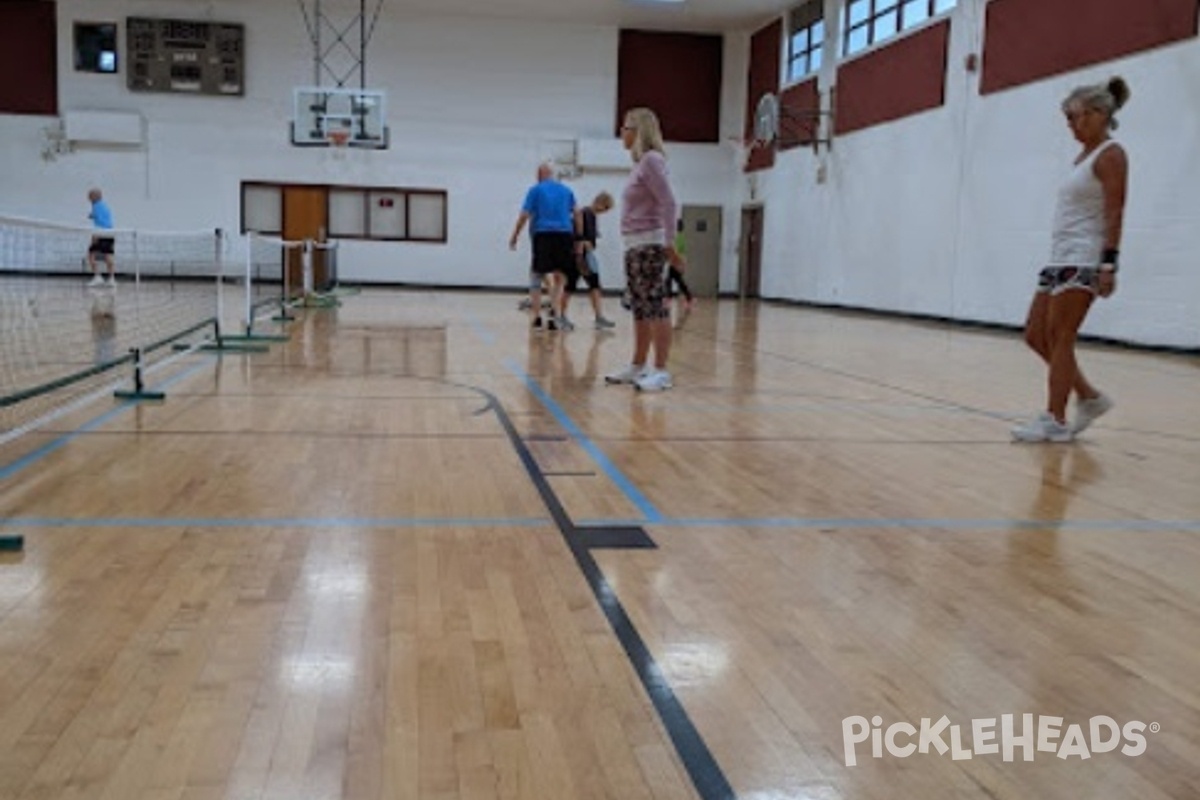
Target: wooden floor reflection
pixel 398 556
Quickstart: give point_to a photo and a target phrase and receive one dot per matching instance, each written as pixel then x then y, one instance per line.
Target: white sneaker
pixel 1090 410
pixel 112 280
pixel 1044 428
pixel 96 280
pixel 628 375
pixel 657 380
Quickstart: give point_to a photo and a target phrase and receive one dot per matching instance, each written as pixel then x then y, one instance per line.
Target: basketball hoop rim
pixel 337 138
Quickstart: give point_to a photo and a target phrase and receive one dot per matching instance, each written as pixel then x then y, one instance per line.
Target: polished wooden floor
pixel 402 556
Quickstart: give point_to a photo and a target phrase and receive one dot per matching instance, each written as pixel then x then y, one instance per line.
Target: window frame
pixel 90 33
pixel 403 194
pixel 893 20
pixel 805 18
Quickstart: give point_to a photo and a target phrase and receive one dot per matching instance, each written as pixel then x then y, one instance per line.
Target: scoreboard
pixel 182 56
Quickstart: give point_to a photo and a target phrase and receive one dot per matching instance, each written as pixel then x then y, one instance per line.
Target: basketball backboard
pixel 359 114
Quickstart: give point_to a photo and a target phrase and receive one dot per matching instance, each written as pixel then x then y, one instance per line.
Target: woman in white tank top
pixel 1085 245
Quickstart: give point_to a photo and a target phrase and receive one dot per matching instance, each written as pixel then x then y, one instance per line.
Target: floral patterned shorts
pixel 644 270
pixel 1056 280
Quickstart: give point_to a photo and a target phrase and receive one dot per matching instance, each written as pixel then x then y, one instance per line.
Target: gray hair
pixel 1106 98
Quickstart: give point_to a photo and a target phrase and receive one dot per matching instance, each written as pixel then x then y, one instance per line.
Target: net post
pixel 325 297
pixel 219 256
pixel 249 324
pixel 307 261
pixel 285 297
pixel 248 334
pixel 139 392
pixel 137 351
pixel 284 314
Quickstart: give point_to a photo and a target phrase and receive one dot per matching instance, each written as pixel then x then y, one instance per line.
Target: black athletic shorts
pixel 102 245
pixel 553 252
pixel 581 270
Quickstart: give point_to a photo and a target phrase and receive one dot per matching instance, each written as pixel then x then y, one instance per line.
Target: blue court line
pixel 31 458
pixel 272 522
pixel 649 512
pixel 1143 525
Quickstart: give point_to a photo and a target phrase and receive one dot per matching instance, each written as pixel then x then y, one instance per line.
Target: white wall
pixel 948 212
pixel 472 103
pixel 944 213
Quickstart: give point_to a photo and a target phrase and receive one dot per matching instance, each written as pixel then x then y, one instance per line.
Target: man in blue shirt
pixel 101 246
pixel 549 209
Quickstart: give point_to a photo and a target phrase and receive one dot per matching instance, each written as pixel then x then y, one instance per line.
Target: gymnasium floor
pixel 420 552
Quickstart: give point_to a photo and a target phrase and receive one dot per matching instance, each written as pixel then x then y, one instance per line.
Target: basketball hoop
pixel 745 148
pixel 337 138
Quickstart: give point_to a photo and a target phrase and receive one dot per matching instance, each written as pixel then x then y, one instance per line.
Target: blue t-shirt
pixel 101 215
pixel 551 208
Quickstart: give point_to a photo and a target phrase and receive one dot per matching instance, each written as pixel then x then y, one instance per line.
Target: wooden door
pixel 305 216
pixel 750 251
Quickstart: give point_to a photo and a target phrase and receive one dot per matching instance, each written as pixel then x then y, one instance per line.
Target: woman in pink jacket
pixel 648 216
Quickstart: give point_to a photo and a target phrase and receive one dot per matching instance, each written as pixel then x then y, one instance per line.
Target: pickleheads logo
pixel 1027 735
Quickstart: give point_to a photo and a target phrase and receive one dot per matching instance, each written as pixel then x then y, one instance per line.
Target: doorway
pixel 702 240
pixel 306 216
pixel 750 253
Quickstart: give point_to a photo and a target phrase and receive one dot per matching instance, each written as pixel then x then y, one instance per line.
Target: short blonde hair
pixel 647 132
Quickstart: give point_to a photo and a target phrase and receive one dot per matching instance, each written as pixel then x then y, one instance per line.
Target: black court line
pixel 697 759
pixel 617 537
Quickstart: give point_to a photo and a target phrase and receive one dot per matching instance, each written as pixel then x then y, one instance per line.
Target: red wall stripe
pixel 762 78
pixel 1026 40
pixel 649 68
pixel 798 107
pixel 28 57
pixel 899 79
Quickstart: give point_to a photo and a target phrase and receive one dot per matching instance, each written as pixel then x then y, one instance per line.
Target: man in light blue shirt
pixel 549 209
pixel 101 246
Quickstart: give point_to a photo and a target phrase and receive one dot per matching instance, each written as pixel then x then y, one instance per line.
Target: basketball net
pixel 745 149
pixel 339 141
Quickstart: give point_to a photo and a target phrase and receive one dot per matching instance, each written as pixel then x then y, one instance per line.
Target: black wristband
pixel 1110 257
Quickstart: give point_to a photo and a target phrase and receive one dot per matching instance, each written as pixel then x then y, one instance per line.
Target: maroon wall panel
pixel 762 78
pixel 902 78
pixel 678 76
pixel 28 57
pixel 1026 40
pixel 798 107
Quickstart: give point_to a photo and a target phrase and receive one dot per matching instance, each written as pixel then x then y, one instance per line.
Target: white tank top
pixel 1078 238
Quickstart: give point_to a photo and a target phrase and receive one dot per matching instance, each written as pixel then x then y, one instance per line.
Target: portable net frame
pixel 64 340
pixel 319 291
pixel 268 285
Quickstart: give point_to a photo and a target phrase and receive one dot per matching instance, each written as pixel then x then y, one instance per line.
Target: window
pixel 396 215
pixel 95 47
pixel 806 39
pixel 262 209
pixel 355 212
pixel 868 22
